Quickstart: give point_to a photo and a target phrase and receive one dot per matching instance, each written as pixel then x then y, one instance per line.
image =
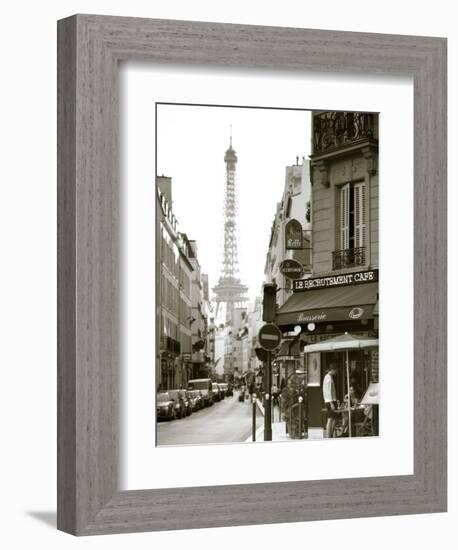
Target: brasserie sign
pixel 331 281
pixel 291 269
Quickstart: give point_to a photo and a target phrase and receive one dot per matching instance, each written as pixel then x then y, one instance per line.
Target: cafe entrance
pixel 360 371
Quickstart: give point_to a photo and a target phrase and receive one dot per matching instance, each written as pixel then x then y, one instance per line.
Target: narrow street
pixel 228 421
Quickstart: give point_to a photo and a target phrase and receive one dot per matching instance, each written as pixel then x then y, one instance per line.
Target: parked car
pixel 201 399
pixel 222 391
pixel 196 399
pixel 204 385
pixel 216 392
pixel 225 388
pixel 229 390
pixel 187 402
pixel 165 407
pixel 178 402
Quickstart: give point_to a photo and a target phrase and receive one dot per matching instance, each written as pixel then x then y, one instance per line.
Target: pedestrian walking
pixel 330 399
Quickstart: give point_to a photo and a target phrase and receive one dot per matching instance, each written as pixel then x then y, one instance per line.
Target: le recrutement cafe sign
pixel 333 281
pixel 307 306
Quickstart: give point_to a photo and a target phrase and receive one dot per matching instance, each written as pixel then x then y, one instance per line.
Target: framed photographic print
pixel 210 345
pixel 252 270
pixel 185 131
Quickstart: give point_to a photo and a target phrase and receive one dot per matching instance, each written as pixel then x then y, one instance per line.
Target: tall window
pixel 352 216
pixel 352 227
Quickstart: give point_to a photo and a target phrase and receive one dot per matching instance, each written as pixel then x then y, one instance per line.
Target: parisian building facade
pixel 341 294
pixel 294 205
pixel 333 201
pixel 182 312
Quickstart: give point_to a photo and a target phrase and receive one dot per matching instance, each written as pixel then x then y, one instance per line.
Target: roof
pixel 329 304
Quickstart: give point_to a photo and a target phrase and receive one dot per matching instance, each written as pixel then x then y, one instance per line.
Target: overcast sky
pixel 191 142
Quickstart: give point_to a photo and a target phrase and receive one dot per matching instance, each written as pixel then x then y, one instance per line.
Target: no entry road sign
pixel 269 337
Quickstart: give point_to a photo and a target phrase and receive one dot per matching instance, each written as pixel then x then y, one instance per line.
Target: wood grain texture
pixel 66 276
pixel 88 273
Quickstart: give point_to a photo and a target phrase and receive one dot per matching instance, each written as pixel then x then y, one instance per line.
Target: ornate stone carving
pixel 334 129
pixel 371 160
pixel 322 168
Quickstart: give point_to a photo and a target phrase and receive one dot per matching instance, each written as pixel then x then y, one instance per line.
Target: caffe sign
pixel 330 281
pixel 291 269
pixel 293 235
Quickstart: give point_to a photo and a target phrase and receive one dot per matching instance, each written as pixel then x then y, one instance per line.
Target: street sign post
pixel 269 337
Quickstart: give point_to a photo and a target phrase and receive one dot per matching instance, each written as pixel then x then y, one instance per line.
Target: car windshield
pixel 174 394
pixel 163 397
pixel 198 385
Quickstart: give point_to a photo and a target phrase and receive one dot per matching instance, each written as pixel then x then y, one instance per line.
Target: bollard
pixel 267 419
pixel 254 416
pixel 300 417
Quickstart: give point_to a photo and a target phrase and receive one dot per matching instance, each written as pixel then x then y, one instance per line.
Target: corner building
pixel 341 294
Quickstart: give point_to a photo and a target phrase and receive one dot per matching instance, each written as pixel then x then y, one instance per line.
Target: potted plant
pixel 294 389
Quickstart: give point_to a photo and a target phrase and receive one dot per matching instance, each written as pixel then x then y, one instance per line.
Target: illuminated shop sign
pixel 332 281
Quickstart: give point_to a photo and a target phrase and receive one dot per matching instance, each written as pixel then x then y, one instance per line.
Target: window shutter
pixel 344 216
pixel 360 215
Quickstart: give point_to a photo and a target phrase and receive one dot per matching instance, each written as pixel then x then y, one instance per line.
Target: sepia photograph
pixel 267 275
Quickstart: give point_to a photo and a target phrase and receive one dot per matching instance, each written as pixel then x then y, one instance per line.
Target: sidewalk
pixel 278 433
pixel 278 427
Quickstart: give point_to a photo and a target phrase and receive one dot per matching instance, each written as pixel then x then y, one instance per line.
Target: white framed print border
pixel 89 49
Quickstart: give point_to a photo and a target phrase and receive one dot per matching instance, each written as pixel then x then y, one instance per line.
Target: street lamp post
pixel 269 337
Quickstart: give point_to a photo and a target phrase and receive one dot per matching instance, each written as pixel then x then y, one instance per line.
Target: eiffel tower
pixel 229 291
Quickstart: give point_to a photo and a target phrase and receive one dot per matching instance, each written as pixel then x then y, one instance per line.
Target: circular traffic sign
pixel 291 269
pixel 269 337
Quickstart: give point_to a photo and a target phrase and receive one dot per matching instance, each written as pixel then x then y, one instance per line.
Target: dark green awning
pixel 329 304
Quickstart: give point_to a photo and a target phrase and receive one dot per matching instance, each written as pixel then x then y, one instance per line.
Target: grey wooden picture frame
pixel 89 49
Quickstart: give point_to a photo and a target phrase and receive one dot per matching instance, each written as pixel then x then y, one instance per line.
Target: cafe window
pixel 352 216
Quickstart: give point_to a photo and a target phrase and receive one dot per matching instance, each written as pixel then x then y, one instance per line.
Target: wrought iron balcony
pixel 350 257
pixel 335 129
pixel 170 344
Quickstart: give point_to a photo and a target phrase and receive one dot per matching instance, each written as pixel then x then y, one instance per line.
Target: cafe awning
pixel 329 304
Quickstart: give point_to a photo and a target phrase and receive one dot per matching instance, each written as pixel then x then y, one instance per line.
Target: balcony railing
pixel 171 345
pixel 350 257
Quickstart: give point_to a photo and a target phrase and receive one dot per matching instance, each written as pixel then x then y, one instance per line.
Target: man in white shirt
pixel 330 399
